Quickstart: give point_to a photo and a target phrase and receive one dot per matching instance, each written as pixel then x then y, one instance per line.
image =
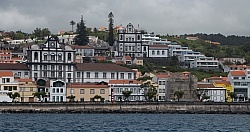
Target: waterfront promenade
pixel 128 107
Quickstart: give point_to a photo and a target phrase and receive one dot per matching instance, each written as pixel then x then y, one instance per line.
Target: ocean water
pixel 124 123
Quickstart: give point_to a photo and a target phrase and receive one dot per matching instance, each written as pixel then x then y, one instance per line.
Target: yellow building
pixel 227 85
pixel 87 92
pixel 27 88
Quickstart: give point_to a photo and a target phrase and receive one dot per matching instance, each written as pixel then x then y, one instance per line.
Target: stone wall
pixel 153 107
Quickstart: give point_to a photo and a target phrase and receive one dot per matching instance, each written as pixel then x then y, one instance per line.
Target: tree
pixel 71 98
pixel 149 91
pixel 126 94
pixel 179 94
pixel 97 97
pixel 72 23
pixel 13 96
pixel 82 37
pixel 39 95
pixel 232 95
pixel 111 29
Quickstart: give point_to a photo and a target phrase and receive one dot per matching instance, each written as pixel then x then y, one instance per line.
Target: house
pixel 19 70
pixel 191 38
pixel 127 60
pixel 88 91
pixel 216 94
pixel 118 86
pixel 27 90
pixel 240 80
pixel 160 79
pixel 57 91
pixel 98 72
pixel 138 61
pixel 227 85
pixel 84 51
pixel 233 60
pixel 205 63
pixel 51 61
pixel 7 84
pixel 157 50
pixel 129 42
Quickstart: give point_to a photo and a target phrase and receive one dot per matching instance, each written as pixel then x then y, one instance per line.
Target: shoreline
pixel 127 108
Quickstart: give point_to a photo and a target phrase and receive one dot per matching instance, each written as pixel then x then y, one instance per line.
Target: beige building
pixel 27 88
pixel 87 91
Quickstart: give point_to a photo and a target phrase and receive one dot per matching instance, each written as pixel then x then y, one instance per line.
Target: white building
pixel 51 61
pixel 160 79
pixel 206 63
pixel 118 86
pixel 216 94
pixel 177 50
pixel 240 80
pixel 66 39
pixel 157 51
pixel 129 42
pixel 98 72
pixel 57 91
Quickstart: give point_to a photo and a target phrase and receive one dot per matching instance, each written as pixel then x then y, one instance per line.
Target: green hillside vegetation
pixel 217 51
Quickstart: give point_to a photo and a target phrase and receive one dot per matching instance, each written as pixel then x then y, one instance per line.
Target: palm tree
pixel 13 96
pixel 72 23
pixel 232 95
pixel 39 95
pixel 126 94
pixel 71 98
pixel 179 94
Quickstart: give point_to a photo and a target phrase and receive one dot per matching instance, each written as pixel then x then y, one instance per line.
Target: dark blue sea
pixel 124 123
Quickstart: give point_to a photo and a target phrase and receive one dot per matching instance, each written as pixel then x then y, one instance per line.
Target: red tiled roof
pixel 91 85
pixel 238 73
pixel 10 66
pixel 127 57
pixel 6 74
pixel 205 85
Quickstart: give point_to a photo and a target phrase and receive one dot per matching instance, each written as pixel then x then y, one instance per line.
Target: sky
pixel 174 17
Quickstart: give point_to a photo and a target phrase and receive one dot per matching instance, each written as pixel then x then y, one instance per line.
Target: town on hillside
pixel 114 64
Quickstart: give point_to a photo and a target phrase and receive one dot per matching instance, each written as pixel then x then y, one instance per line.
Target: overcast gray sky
pixel 160 16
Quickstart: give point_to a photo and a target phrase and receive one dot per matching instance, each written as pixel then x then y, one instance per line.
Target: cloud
pixel 159 16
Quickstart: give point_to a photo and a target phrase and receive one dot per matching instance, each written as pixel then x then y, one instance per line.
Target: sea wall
pixel 128 107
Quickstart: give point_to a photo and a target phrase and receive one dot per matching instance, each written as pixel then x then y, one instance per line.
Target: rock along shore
pixel 128 107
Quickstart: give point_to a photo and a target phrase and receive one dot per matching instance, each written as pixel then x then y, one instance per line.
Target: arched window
pixel 36 56
pixel 53 57
pixel 45 57
pixel 69 56
pixel 60 57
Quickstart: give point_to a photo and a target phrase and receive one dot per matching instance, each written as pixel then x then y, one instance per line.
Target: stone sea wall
pixel 128 107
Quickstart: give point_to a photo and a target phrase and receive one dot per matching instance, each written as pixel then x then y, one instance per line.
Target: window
pixel 57 98
pixel 163 52
pixel 35 74
pixel 61 90
pixel 36 56
pixel 122 76
pixel 81 99
pixel 138 37
pixel 45 67
pixel 53 98
pixel 153 52
pixel 69 56
pixel 45 57
pixel 104 75
pixel 5 87
pixel 78 74
pixel 82 91
pixel 61 98
pixel 92 91
pixel 53 90
pixel 7 79
pixel 120 37
pixel 45 74
pixel 69 68
pixel 26 73
pixel 10 88
pixel 60 74
pixel 52 67
pixel 88 75
pixel 96 74
pixel 72 91
pixel 102 91
pixel 112 75
pixel 60 67
pixel 129 76
pixel 52 73
pixel 69 75
pixel 57 90
pixel 158 52
pixel 35 67
pixel 14 87
pixel 53 57
pixel 60 57
pixel 31 89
